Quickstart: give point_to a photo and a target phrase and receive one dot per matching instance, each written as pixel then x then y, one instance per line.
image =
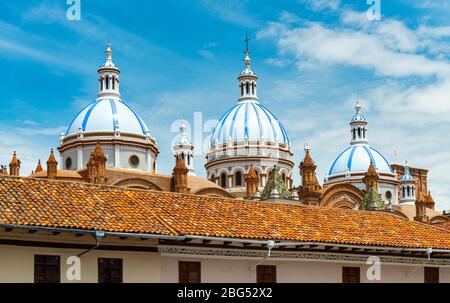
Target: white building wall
pixel 17 264
pixel 243 271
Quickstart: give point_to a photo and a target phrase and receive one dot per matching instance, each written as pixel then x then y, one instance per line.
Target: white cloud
pixel 320 5
pixel 407 104
pixel 232 11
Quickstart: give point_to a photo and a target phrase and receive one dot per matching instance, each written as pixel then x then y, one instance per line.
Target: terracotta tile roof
pixel 445 225
pixel 75 205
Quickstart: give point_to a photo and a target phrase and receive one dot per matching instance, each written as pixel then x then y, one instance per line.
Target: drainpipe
pixel 270 245
pixel 429 252
pixel 99 235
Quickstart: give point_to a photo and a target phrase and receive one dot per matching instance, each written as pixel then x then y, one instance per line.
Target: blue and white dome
pixel 108 115
pixel 407 175
pixel 357 158
pixel 249 120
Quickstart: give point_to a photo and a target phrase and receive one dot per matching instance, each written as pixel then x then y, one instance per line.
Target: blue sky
pixel 180 57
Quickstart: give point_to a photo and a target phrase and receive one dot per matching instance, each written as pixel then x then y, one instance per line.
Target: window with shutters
pixel 266 274
pixel 110 270
pixel 47 269
pixel 431 274
pixel 351 275
pixel 189 272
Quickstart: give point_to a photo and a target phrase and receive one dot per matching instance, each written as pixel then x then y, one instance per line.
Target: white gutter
pixel 93 232
pixel 210 238
pixel 277 244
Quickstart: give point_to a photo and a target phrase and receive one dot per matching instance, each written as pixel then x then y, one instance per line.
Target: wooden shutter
pixel 110 270
pixel 431 274
pixel 189 272
pixel 351 275
pixel 266 274
pixel 47 269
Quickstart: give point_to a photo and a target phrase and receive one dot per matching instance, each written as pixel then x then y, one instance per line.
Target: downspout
pixel 429 252
pixel 270 245
pixel 99 235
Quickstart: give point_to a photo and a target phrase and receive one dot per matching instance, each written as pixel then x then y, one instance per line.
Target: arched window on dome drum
pixel 408 191
pixel 403 192
pixel 283 176
pixel 354 134
pixel 223 180
pixel 253 88
pixel 188 160
pixel 242 89
pixel 113 83
pixel 364 133
pixel 238 178
pixel 359 132
pixel 247 88
pixel 107 82
pixel 101 83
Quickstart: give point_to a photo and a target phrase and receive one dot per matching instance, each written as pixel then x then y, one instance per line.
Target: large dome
pixel 249 120
pixel 357 158
pixel 107 115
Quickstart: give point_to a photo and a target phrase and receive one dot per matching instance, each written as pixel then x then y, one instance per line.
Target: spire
pixel 275 181
pixel 52 166
pixel 251 181
pixel 14 165
pixel 310 190
pixel 372 200
pixel 180 177
pixel 184 148
pixel 38 167
pixel 358 126
pixel 371 178
pixel 96 165
pixel 108 76
pixel 247 78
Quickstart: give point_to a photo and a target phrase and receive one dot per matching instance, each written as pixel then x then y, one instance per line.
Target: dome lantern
pixel 358 126
pixel 183 148
pixel 407 187
pixel 108 76
pixel 247 78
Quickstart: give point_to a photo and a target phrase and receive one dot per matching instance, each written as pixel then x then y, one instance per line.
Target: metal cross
pixel 246 44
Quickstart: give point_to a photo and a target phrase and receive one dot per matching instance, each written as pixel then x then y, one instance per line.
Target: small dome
pixel 407 175
pixel 107 115
pixel 358 118
pixel 356 158
pixel 249 120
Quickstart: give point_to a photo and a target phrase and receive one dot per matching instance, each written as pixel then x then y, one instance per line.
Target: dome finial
pixel 108 55
pixel 357 106
pixel 307 147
